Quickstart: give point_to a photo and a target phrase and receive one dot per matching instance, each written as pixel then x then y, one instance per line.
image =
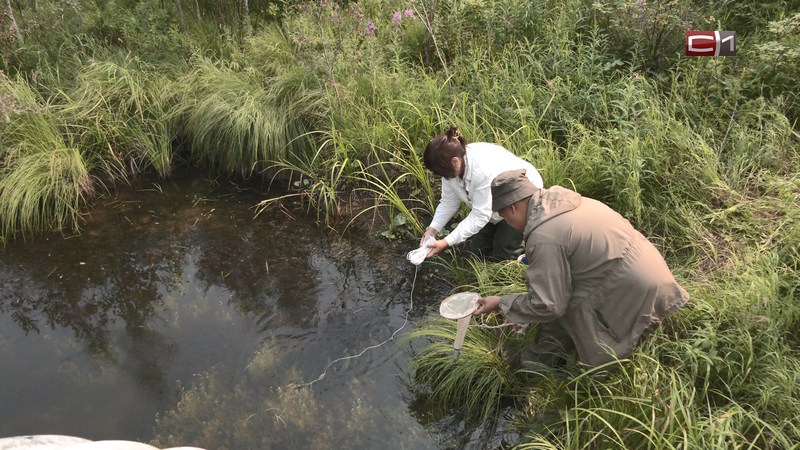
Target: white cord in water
pixel 416 257
pixel 405 321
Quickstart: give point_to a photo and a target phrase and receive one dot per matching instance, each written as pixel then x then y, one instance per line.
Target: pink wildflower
pixel 409 13
pixel 396 18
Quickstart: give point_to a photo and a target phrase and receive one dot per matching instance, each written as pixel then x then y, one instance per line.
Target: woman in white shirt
pixel 467 171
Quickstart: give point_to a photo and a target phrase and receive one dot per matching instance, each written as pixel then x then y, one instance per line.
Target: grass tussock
pixel 233 122
pixel 479 381
pixel 44 182
pixel 115 112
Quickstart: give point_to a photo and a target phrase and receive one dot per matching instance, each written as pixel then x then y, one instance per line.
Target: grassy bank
pixel 337 101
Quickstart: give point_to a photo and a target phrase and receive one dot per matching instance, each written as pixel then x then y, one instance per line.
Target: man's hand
pixel 487 305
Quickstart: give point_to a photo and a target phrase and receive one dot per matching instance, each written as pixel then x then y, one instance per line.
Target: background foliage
pixel 336 100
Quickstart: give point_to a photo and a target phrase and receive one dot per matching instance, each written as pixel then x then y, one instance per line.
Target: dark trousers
pixel 553 347
pixel 496 242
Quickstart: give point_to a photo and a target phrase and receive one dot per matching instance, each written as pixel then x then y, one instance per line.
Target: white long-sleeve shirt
pixel 482 163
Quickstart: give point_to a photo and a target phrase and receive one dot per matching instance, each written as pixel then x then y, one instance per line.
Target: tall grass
pixel 105 126
pixel 233 123
pixel 318 183
pixel 117 114
pixel 399 182
pixel 43 189
pixel 43 179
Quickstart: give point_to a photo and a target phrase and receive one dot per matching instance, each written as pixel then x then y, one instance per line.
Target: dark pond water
pixel 177 318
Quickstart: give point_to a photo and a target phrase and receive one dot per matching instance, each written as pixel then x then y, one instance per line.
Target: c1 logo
pixel 710 43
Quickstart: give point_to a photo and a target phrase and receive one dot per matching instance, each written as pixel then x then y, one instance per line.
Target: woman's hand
pixel 487 305
pixel 432 232
pixel 437 247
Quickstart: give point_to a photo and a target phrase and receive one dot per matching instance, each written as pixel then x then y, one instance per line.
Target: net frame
pixel 458 306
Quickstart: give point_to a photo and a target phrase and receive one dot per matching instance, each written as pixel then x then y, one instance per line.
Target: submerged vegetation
pixel 334 102
pixel 256 414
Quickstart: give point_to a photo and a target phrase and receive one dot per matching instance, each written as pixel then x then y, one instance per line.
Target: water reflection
pixel 175 303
